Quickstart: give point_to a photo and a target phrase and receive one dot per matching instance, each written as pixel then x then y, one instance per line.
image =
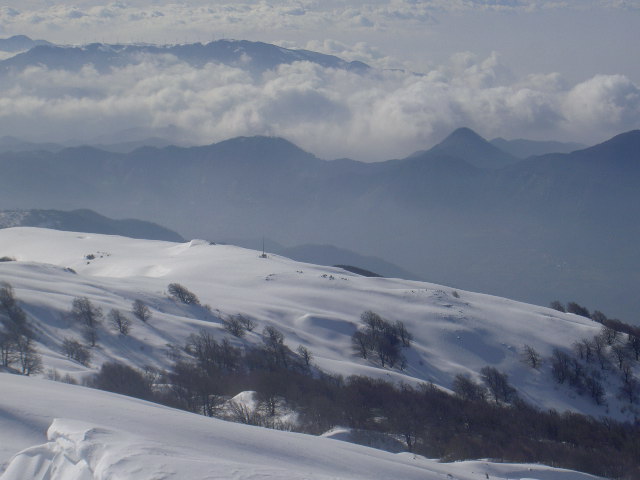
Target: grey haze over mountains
pixel 557 226
pixel 523 148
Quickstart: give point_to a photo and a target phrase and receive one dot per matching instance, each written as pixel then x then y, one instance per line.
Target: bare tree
pixel 598 316
pixel 609 335
pixel 89 316
pixel 15 320
pixel 305 354
pixel 531 357
pixel 30 360
pixel 247 322
pixel 560 365
pixel 595 389
pixel 589 349
pixel 360 343
pixel 119 322
pixel 573 307
pixel 140 310
pixel 626 372
pixel 273 340
pixel 234 326
pixel 401 331
pixel 240 413
pixel 498 384
pixel 76 351
pixel 181 294
pixel 633 342
pixel 619 353
pixel 465 388
pixel 599 351
pixel 8 354
pixel 630 390
pixel 7 297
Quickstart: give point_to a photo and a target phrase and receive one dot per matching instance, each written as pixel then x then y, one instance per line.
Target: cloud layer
pixel 333 113
pixel 158 21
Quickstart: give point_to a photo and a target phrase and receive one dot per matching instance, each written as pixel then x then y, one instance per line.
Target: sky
pixel 559 70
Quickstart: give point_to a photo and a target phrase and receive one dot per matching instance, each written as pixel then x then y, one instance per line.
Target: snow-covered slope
pixel 318 307
pixel 65 432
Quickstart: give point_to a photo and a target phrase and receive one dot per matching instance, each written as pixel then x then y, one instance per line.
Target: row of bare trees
pixel 89 318
pixel 592 364
pixel 17 346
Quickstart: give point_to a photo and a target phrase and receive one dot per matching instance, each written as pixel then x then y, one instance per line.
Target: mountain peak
pixel 261 143
pixel 467 145
pixel 465 133
pixel 19 42
pixel 462 136
pixel 261 149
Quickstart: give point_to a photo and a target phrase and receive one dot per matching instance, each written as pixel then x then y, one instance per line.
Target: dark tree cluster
pixel 16 335
pixel 498 385
pixel 381 339
pixel 481 420
pixel 120 378
pixel 89 318
pixel 495 384
pixel 207 369
pixel 430 421
pixel 593 360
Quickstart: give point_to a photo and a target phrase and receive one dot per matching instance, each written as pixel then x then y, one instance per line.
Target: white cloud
pixel 333 113
pixel 603 102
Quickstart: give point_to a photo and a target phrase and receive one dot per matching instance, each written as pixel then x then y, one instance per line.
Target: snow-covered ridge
pixel 317 307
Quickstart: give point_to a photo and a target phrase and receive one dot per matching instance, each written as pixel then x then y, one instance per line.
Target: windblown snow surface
pixel 97 435
pixel 75 433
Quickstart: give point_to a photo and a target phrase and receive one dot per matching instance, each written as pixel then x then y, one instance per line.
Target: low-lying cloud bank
pixel 333 113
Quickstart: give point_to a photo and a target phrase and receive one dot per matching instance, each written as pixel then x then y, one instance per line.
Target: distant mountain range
pixel 13 144
pixel 255 57
pixel 86 221
pixel 330 255
pixel 553 226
